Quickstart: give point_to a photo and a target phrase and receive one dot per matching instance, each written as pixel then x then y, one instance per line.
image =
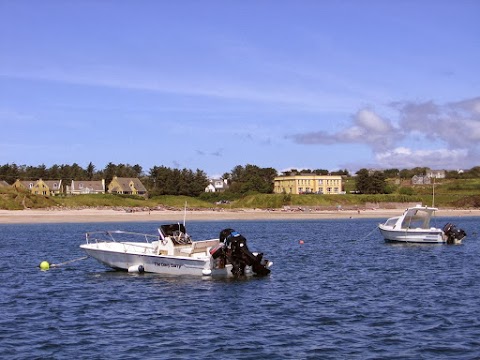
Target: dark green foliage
pixel 371 183
pixel 340 172
pixel 406 191
pixel 90 171
pixel 252 178
pixel 362 181
pixel 320 172
pixel 391 173
pixel 9 173
pixel 166 181
pixel 120 170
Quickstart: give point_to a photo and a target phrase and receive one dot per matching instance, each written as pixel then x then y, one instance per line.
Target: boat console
pixel 177 232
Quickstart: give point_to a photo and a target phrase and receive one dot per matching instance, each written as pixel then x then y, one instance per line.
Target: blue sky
pixel 214 84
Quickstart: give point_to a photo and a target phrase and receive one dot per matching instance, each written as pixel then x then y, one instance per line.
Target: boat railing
pixel 113 235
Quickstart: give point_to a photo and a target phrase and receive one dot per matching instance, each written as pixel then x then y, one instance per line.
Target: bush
pixel 214 197
pixel 406 191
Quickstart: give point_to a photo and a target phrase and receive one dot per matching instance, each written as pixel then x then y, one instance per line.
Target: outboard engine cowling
pixel 453 234
pixel 237 253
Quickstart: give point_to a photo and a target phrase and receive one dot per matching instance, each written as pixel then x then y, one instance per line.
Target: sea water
pixel 341 294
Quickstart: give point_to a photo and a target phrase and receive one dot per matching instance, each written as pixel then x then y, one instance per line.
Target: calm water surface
pixel 343 294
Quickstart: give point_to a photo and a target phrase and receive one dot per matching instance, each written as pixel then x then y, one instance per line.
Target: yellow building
pixel 130 186
pixel 24 185
pixel 308 184
pixel 39 187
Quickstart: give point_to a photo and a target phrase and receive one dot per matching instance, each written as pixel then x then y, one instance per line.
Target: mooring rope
pixel 370 233
pixel 69 261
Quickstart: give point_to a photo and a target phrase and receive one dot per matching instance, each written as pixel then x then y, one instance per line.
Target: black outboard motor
pixel 453 234
pixel 236 252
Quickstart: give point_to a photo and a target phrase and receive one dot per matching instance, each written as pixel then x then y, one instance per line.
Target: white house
pixel 437 174
pixel 217 185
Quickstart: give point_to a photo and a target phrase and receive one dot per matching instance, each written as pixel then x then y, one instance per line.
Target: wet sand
pixel 115 215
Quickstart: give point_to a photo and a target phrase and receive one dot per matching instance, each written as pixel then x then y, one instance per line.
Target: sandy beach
pixel 115 215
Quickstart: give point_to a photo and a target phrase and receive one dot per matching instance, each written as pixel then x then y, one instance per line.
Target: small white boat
pixel 173 252
pixel 413 226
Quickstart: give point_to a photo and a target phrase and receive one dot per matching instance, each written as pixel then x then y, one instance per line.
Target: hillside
pixel 448 194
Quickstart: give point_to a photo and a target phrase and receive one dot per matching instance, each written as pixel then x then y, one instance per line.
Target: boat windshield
pixel 177 232
pixel 416 218
pixel 391 221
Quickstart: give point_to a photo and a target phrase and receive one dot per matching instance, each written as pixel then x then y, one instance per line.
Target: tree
pixel 159 176
pixel 90 171
pixel 340 172
pixel 362 181
pixel 54 172
pixel 474 172
pixel 378 184
pixel 109 172
pixel 371 184
pixel 391 173
pixel 137 170
pixel 78 172
pixel 321 172
pixel 252 178
pixel 200 182
pixel 9 173
pixel 166 181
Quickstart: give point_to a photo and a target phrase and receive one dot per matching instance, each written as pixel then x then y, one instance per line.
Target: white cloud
pixel 370 121
pixel 427 134
pixel 367 128
pixel 404 158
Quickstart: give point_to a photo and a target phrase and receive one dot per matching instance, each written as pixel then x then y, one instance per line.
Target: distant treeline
pixel 159 180
pixel 162 180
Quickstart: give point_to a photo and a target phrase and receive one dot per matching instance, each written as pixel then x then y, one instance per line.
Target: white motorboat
pixel 413 226
pixel 172 252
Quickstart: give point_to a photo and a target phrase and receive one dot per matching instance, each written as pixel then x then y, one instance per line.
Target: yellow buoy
pixel 44 265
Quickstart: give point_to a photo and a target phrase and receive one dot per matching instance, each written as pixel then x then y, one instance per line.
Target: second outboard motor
pixel 237 253
pixel 453 234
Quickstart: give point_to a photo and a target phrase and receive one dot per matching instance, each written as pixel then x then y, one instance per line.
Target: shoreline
pixel 38 216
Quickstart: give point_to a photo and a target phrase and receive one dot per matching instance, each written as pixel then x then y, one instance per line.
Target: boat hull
pixel 113 255
pixel 433 236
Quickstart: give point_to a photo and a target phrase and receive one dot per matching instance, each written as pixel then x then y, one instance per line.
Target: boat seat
pixel 188 251
pixel 199 247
